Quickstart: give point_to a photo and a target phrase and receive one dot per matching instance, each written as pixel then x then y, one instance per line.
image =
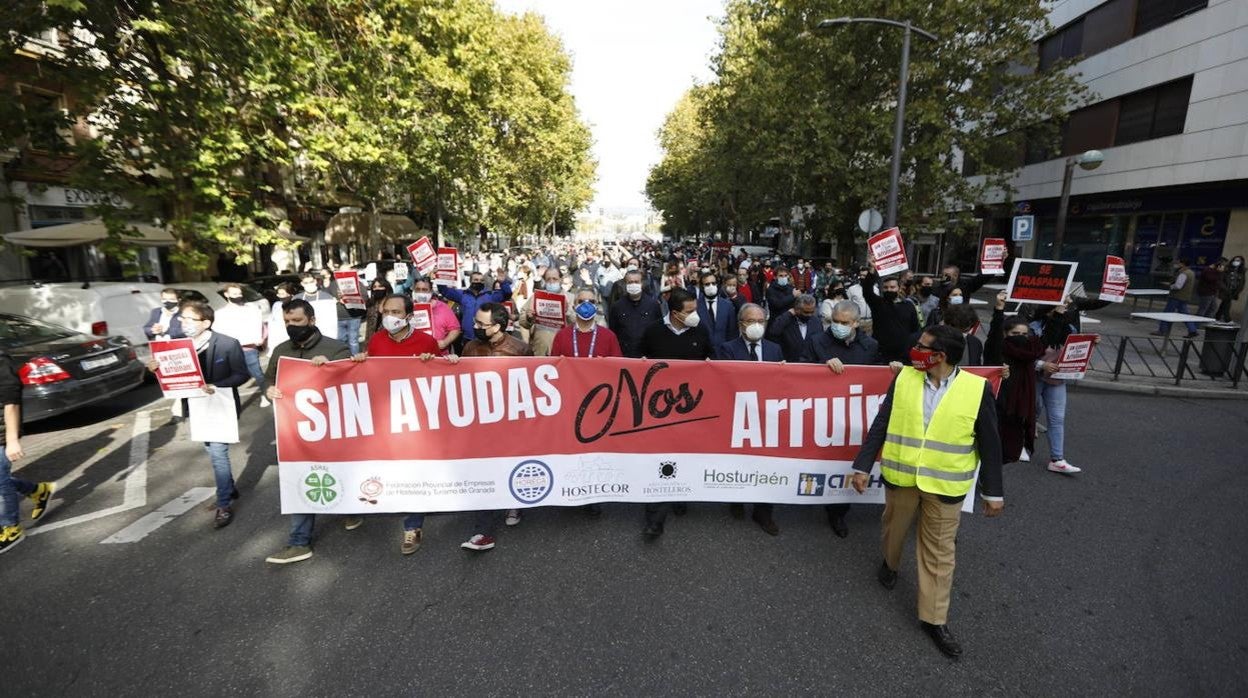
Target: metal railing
pixel 1212 362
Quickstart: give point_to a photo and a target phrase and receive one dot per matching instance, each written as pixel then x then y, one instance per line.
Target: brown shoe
pixel 412 538
pixel 223 518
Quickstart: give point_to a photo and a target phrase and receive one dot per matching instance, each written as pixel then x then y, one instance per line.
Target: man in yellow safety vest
pixel 936 426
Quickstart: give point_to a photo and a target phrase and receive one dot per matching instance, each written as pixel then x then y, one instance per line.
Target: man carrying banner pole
pixel 937 424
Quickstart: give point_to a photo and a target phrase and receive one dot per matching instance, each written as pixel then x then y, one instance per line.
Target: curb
pixel 1159 390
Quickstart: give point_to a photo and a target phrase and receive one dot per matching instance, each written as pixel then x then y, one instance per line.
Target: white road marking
pixel 135 476
pixel 147 525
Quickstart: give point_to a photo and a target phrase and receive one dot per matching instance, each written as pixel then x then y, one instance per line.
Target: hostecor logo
pixel 531 481
pixel 811 484
pixel 667 470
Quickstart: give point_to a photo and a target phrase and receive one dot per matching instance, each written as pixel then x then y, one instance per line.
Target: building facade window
pixel 1109 24
pixel 1153 113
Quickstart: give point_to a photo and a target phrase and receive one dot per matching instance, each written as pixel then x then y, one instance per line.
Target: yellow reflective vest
pixel 940 459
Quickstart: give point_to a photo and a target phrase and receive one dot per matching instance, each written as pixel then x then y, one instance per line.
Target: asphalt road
pixel 1127 579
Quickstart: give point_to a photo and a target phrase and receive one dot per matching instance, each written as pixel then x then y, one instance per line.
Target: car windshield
pixel 17 331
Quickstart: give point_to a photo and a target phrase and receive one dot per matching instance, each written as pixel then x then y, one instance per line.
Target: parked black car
pixel 62 370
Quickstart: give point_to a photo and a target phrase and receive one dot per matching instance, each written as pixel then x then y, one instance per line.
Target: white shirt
pixel 242 322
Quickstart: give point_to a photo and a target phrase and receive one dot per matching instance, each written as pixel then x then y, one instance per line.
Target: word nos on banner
pixel 1114 281
pixel 992 256
pixel 395 435
pixel 1072 364
pixel 888 252
pixel 448 266
pixel 1041 281
pixel 177 368
pixel 349 289
pixel 423 255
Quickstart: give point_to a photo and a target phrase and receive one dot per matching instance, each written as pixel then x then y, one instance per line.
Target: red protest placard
pixel 511 312
pixel 888 252
pixel 1041 281
pixel 349 289
pixel 1076 353
pixel 1114 281
pixel 178 371
pixel 422 317
pixel 447 266
pixel 423 255
pixel 550 309
pixel 992 256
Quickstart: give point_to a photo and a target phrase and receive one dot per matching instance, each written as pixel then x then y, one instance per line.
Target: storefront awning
pixel 86 233
pixel 344 228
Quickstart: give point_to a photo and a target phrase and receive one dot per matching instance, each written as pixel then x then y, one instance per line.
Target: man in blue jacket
pixel 475 296
pixel 163 321
pixel 794 328
pixel 749 345
pixel 718 314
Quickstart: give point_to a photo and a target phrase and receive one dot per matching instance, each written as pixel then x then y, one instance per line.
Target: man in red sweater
pixel 587 338
pixel 397 338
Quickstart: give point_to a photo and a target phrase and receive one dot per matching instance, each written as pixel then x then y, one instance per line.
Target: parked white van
pixel 100 308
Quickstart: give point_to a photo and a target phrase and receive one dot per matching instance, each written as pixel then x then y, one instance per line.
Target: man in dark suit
pixel 751 346
pixel 163 322
pixel 716 311
pixel 221 360
pixel 792 329
pixel 839 346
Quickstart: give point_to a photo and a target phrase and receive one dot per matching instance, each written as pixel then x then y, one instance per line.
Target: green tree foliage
pixel 797 117
pixel 205 111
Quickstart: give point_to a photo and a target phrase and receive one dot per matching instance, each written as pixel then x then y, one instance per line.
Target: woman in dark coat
pixel 1011 342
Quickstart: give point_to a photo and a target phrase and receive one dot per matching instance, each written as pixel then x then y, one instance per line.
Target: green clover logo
pixel 320 488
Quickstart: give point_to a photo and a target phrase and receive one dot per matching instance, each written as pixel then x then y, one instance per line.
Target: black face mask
pixel 1018 340
pixel 169 305
pixel 236 301
pixel 476 287
pixel 300 334
pixel 890 296
pixel 378 295
pixel 925 291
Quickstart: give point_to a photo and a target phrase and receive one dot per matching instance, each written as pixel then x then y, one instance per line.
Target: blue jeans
pixel 349 332
pixel 485 522
pixel 10 488
pixel 1054 399
pixel 413 521
pixel 252 358
pixel 301 527
pixel 1174 305
pixel 219 454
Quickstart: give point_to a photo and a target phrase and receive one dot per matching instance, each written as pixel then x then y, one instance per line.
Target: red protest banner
pixel 448 266
pixel 1041 281
pixel 992 256
pixel 506 432
pixel 1076 354
pixel 888 252
pixel 178 371
pixel 550 309
pixel 349 289
pixel 422 317
pixel 423 255
pixel 1114 281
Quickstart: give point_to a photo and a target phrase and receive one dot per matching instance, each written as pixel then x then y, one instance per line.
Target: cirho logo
pixel 531 481
pixel 322 489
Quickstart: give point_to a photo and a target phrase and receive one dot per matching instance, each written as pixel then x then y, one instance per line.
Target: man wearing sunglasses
pixel 935 427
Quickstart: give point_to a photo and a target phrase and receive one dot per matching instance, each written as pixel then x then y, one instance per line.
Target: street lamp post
pixel 894 180
pixel 1089 160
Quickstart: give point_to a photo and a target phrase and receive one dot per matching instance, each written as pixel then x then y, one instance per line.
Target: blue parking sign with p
pixel 1024 228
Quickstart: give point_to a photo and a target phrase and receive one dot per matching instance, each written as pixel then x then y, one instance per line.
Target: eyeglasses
pixel 479 326
pixel 184 318
pixel 924 347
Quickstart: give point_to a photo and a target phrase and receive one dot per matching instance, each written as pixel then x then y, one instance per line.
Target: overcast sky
pixel 632 59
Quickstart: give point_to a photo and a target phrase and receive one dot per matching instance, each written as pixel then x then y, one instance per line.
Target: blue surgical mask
pixel 840 331
pixel 586 310
pixel 955 300
pixel 554 286
pixel 782 281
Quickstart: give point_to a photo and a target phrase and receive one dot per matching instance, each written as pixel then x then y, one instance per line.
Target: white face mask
pixel 633 289
pixel 955 300
pixel 711 290
pixel 309 288
pixel 192 330
pixel 423 297
pixel 393 324
pixel 754 332
pixel 692 319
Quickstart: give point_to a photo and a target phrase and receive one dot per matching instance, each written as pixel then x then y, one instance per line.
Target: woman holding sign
pixel 1010 342
pixel 1053 325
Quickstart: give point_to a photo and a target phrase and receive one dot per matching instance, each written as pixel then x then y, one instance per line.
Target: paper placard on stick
pixel 1072 365
pixel 888 252
pixel 511 312
pixel 400 271
pixel 422 317
pixel 447 266
pixel 992 256
pixel 423 255
pixel 349 289
pixel 326 317
pixel 550 309
pixel 1041 281
pixel 178 371
pixel 1115 281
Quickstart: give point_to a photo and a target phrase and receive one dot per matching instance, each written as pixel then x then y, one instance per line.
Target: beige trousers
pixel 934 546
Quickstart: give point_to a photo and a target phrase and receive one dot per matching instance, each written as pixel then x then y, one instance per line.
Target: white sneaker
pixel 513 517
pixel 264 402
pixel 1024 456
pixel 1061 466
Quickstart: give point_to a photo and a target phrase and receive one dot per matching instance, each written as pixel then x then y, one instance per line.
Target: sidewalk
pixel 1149 363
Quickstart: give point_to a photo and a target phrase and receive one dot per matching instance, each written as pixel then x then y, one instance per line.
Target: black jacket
pixel 892 324
pixel 785 330
pixel 223 365
pixel 629 319
pixel 10 390
pixel 861 350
